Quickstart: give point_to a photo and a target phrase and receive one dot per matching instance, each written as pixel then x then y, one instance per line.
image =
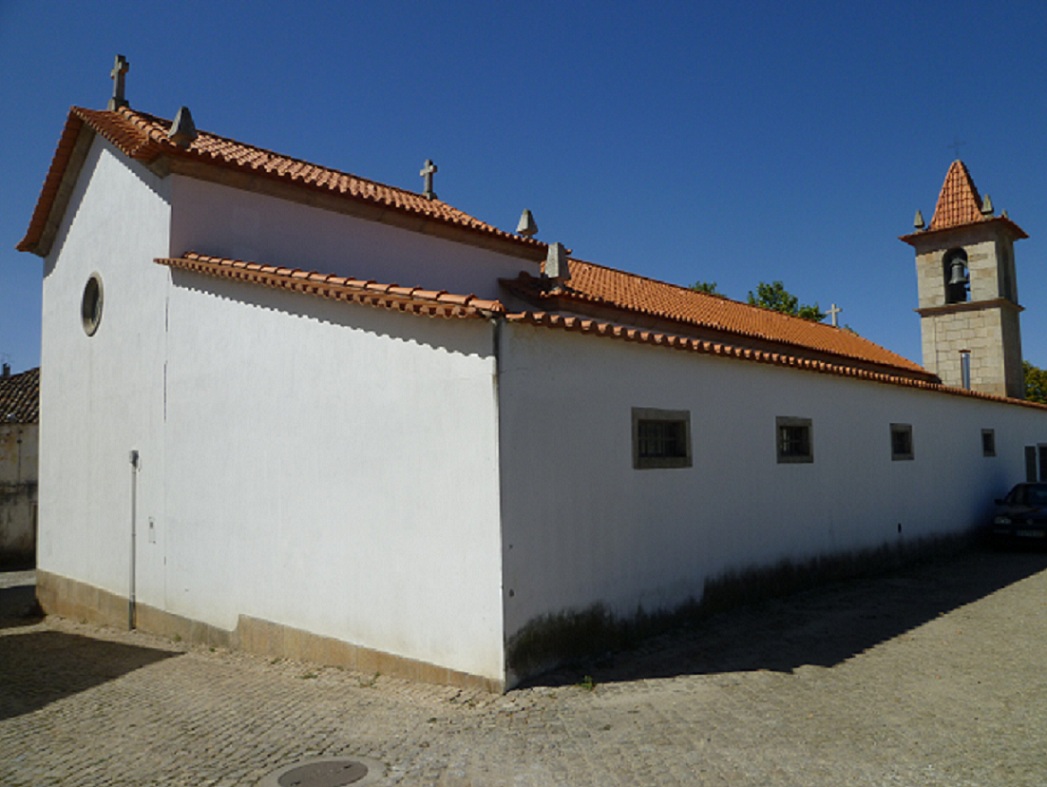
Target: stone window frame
pixel 91 304
pixel 901 443
pixel 681 419
pixel 794 439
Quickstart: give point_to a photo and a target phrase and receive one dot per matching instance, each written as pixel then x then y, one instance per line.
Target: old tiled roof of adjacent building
pixel 20 397
pixel 599 291
pixel 143 137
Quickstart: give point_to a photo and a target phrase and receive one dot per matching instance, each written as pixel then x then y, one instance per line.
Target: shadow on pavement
pixel 38 667
pixel 18 606
pixel 820 627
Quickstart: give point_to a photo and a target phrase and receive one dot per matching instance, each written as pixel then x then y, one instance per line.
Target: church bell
pixel 959 273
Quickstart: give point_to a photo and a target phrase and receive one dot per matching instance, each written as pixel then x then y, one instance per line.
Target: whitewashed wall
pixel 101 396
pixel 326 466
pixel 334 468
pixel 218 220
pixel 582 526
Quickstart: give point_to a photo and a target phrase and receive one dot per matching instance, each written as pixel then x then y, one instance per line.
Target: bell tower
pixel 968 294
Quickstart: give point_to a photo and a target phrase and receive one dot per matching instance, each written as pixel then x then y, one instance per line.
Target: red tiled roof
pixel 429 303
pixel 703 319
pixel 20 397
pixel 410 300
pixel 414 300
pixel 592 284
pixel 144 137
pixel 960 205
pixel 958 201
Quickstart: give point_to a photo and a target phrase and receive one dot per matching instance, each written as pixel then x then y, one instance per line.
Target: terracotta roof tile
pixel 960 205
pixel 596 285
pixel 958 201
pixel 144 137
pixel 20 397
pixel 413 300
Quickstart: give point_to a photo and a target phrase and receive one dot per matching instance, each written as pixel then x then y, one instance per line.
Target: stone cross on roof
pixel 427 174
pixel 120 69
pixel 834 310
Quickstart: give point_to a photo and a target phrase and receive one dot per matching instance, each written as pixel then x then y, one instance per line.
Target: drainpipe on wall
pixel 134 507
pixel 965 369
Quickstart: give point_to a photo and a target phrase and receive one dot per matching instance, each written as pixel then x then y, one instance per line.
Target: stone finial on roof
pixel 556 267
pixel 183 130
pixel 918 222
pixel 526 225
pixel 987 209
pixel 120 69
pixel 427 172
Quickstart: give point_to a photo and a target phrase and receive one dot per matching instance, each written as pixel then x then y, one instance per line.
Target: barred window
pixel 795 439
pixel 661 438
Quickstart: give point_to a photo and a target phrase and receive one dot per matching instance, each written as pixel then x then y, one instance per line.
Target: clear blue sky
pixel 726 142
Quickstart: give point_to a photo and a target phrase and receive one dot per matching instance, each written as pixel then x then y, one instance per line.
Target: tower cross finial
pixel 427 173
pixel 120 69
pixel 956 143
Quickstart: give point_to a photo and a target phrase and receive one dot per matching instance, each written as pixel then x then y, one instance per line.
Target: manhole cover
pixel 332 773
pixel 325 772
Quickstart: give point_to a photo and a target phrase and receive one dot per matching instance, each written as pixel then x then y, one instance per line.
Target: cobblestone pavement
pixel 934 675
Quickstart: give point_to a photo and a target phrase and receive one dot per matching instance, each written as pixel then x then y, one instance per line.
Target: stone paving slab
pixel 934 675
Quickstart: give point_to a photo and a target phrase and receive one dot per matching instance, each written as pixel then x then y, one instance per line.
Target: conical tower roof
pixel 958 201
pixel 960 205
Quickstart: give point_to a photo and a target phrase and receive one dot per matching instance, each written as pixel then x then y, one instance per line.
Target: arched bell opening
pixel 956 276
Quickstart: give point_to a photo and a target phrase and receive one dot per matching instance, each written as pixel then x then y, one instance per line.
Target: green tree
pixel 708 287
pixel 1035 383
pixel 774 296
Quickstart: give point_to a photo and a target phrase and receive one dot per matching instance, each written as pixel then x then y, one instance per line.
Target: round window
pixel 91 304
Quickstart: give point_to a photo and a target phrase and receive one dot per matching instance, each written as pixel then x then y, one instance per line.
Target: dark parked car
pixel 1021 517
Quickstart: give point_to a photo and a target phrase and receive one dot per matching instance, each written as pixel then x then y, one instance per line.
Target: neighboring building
pixel 253 437
pixel 19 425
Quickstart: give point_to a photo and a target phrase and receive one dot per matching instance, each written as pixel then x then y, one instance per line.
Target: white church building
pixel 292 410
